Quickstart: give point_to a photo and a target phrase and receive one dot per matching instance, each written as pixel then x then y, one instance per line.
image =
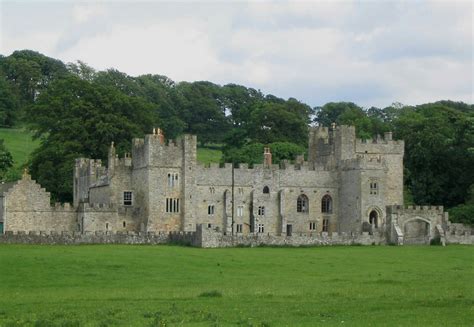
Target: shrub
pixel 463 213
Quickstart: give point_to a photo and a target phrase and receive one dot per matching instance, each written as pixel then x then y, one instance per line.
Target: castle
pixel 348 186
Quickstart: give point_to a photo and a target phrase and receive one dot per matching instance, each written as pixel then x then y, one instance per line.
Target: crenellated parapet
pixel 155 150
pixel 364 162
pixel 380 145
pixel 63 208
pixel 415 209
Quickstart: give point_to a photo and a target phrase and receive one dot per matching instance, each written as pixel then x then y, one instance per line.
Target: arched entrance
pixel 374 219
pixel 416 231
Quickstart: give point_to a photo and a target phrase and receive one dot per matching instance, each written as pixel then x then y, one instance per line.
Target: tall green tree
pixel 202 109
pixel 6 160
pixel 8 104
pixel 439 157
pixel 76 118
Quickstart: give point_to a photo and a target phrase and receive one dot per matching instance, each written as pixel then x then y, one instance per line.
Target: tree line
pixel 77 111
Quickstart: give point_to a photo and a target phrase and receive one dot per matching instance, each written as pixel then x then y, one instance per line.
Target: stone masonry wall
pixel 27 208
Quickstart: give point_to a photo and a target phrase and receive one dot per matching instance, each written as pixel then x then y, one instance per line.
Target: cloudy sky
pixel 372 53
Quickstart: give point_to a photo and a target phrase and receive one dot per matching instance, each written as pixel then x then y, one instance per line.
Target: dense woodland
pixel 77 111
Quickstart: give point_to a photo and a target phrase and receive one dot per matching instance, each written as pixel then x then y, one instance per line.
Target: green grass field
pixel 108 285
pixel 20 144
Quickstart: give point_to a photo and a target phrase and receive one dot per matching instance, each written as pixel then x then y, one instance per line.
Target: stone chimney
pixel 111 161
pixel 387 136
pixel 158 132
pixel 267 157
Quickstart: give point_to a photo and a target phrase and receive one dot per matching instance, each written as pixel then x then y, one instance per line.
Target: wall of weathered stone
pixel 456 233
pixel 210 238
pixel 74 238
pixel 27 208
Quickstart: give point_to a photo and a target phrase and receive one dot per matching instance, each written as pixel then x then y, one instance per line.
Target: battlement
pixel 63 207
pixel 379 145
pixel 363 162
pixel 414 209
pixel 155 150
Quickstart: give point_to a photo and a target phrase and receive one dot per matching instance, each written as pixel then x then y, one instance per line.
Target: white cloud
pixel 86 11
pixel 369 53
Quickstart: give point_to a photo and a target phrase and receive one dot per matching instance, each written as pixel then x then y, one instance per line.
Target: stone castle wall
pixel 26 207
pixel 206 237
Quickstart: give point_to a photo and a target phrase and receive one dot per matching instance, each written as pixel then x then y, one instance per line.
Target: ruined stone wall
pixel 456 233
pixel 108 218
pixel 209 238
pixel 417 224
pixel 86 173
pixel 27 208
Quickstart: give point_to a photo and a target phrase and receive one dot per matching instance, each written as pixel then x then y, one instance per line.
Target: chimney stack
pixel 267 157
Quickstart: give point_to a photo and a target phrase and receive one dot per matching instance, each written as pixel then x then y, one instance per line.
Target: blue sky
pixel 371 53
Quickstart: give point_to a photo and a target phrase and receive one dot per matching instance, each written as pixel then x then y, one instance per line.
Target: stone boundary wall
pixel 208 238
pixel 456 233
pixel 76 238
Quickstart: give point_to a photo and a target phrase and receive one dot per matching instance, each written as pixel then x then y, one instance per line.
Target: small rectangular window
pixel 261 211
pixel 312 225
pixel 239 228
pixel 261 228
pixel 172 205
pixel 373 188
pixel 127 198
pixel 210 210
pixel 240 211
pixel 172 180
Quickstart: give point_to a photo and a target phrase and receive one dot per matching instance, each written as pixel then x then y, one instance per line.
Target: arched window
pixel 373 218
pixel 302 203
pixel 326 204
pixel 266 190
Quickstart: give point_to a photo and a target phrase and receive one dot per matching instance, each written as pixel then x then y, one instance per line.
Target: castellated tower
pixel 163 179
pixel 369 174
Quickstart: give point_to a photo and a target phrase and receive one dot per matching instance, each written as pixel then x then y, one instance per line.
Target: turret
pixel 111 160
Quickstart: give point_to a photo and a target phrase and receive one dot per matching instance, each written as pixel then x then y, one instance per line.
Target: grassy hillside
pixel 113 285
pixel 208 155
pixel 19 142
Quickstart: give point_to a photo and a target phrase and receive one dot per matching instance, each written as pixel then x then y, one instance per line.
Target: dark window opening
pixel 127 198
pixel 210 209
pixel 302 203
pixel 326 204
pixel 325 225
pixel 373 218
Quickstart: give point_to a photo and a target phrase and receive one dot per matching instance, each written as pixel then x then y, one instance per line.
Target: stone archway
pixel 416 231
pixel 374 219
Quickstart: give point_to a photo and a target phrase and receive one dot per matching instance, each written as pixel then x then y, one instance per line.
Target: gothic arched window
pixel 266 190
pixel 326 204
pixel 302 203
